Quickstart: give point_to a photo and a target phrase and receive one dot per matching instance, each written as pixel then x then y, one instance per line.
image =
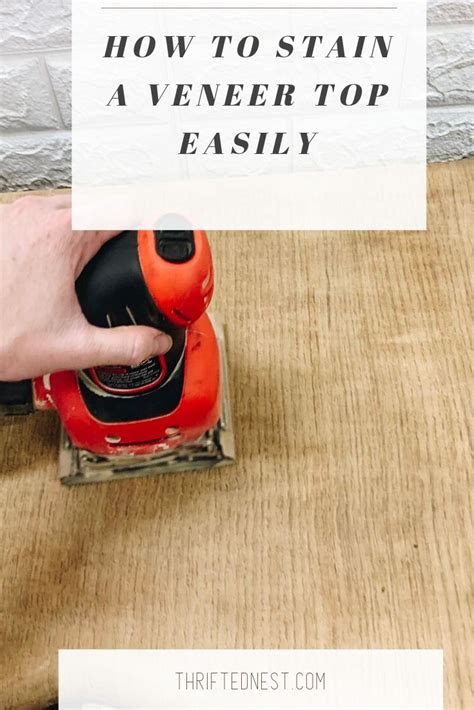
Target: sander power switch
pixel 175 247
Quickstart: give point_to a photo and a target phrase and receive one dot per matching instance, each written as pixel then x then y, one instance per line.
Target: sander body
pixel 168 413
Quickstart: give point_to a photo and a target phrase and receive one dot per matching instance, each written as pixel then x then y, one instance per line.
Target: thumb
pixel 124 345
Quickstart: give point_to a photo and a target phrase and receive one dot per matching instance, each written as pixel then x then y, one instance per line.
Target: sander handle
pixel 121 286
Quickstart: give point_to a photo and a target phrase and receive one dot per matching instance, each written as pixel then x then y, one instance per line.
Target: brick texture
pixel 450 11
pixel 35 88
pixel 31 162
pixel 34 25
pixel 449 133
pixel 450 67
pixel 59 68
pixel 27 98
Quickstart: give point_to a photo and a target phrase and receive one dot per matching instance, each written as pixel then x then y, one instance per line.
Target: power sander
pixel 169 413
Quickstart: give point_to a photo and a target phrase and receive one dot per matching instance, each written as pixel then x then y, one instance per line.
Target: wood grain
pixel 347 521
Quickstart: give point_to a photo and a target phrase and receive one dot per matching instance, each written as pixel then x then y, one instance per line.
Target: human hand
pixel 42 326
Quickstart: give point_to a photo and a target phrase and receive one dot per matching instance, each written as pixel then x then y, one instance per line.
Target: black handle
pixel 112 291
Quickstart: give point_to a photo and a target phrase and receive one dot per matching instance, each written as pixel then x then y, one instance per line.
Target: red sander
pixel 170 412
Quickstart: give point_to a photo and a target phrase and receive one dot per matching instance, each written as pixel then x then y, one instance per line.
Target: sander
pixel 169 413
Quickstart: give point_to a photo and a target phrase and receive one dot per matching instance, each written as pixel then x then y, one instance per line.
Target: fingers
pixel 125 345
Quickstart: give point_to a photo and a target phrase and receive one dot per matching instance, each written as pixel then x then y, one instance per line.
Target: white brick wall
pixel 35 81
pixel 35 117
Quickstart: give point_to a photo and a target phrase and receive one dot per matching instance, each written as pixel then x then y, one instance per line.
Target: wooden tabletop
pixel 347 520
